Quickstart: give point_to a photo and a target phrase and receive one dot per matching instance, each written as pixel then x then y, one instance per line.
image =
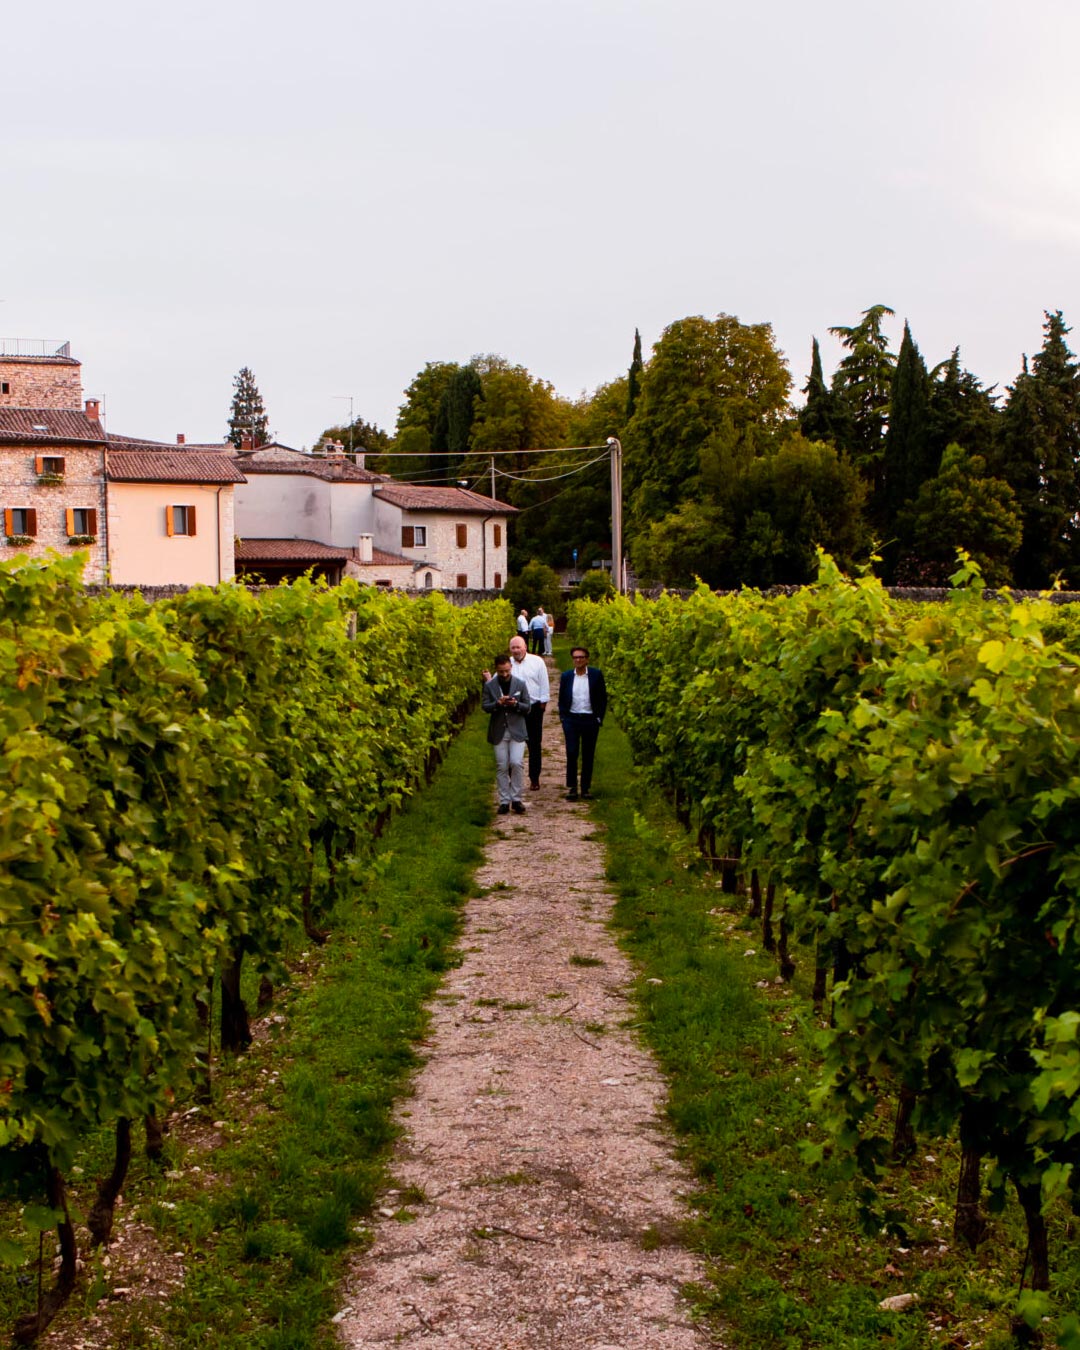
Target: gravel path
pixel 537 1195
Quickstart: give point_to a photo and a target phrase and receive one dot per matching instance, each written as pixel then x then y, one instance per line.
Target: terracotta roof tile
pixel 288 550
pixel 171 466
pixel 411 497
pixel 44 425
pixel 329 470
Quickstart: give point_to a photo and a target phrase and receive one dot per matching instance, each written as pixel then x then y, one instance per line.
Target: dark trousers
pixel 537 637
pixel 580 730
pixel 534 725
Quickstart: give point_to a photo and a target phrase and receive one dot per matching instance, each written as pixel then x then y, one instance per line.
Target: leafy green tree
pixel 702 371
pixel 360 437
pixel 415 432
pixel 458 408
pixel 909 457
pixel 536 584
pixel 862 388
pixel 690 543
pixel 595 585
pixel 1040 459
pixel 633 379
pixel 248 415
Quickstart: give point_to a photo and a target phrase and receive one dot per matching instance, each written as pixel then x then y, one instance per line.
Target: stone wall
pixel 41 382
pixel 83 486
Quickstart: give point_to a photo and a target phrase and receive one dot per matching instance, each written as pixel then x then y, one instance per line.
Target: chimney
pixel 93 409
pixel 363 548
pixel 247 441
pixel 179 438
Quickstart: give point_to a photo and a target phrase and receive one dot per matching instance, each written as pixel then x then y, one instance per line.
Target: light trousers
pixel 509 768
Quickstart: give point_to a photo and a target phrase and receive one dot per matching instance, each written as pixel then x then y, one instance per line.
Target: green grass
pixel 790 1265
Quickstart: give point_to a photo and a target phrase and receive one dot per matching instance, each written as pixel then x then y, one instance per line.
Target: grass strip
pixel 790 1262
pixel 309 1121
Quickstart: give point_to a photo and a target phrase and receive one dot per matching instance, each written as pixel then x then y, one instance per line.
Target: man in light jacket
pixel 506 700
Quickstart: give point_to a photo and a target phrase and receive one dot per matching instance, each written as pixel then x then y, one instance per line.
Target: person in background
pixel 506 701
pixel 582 705
pixel 538 631
pixel 550 634
pixel 523 622
pixel 533 670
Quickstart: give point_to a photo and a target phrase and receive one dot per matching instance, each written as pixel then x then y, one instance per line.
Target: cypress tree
pixel 818 420
pixel 633 386
pixel 1040 459
pixel 909 458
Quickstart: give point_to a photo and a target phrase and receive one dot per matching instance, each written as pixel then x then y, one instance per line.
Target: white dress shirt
pixel 533 670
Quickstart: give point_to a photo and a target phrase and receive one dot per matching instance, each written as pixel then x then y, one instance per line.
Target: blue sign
pixel 575 557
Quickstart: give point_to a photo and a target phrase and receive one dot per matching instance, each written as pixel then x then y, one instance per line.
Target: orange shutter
pixel 406 536
pixel 169 522
pixel 69 520
pixel 7 521
pixel 91 521
pixel 31 523
pixel 191 520
pixel 39 463
pixel 462 536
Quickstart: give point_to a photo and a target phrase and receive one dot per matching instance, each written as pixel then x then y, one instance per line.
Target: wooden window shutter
pixel 462 581
pixel 91 520
pixel 498 578
pixel 498 535
pixel 69 520
pixel 406 536
pixel 31 522
pixel 8 523
pixel 169 530
pixel 462 536
pixel 39 463
pixel 191 520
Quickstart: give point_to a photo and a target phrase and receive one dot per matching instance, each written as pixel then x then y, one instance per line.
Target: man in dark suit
pixel 582 705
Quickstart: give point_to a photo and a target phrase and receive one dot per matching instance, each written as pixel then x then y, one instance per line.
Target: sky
pixel 334 194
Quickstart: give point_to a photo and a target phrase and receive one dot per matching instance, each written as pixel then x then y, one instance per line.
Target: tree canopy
pixel 247 416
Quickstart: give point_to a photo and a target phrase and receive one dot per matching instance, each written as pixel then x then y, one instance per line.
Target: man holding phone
pixel 506 701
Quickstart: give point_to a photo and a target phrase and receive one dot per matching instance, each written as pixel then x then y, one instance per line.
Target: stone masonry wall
pixel 83 487
pixel 41 382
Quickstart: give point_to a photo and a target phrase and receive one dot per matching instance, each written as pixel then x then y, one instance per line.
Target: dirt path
pixel 537 1204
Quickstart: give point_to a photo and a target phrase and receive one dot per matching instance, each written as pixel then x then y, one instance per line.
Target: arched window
pixel 427 581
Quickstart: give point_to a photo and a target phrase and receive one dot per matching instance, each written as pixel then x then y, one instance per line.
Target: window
pixel 498 578
pixel 429 581
pixel 5 388
pixel 49 464
pixel 80 520
pixel 20 520
pixel 414 536
pixel 462 536
pixel 383 581
pixel 498 535
pixel 462 581
pixel 179 520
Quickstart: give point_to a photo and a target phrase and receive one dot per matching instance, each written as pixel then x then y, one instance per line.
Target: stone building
pixel 144 512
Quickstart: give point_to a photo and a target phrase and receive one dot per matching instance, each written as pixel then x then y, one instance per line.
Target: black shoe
pixel 586 795
pixel 504 808
pixel 518 808
pixel 571 796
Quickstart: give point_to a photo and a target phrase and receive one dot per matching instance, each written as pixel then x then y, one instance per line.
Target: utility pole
pixel 350 398
pixel 492 477
pixel 615 451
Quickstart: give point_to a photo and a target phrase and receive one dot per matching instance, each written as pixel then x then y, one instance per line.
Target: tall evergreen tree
pixel 248 415
pixel 633 386
pixel 908 456
pixel 820 418
pixel 457 413
pixel 1040 459
pixel 861 389
pixel 962 411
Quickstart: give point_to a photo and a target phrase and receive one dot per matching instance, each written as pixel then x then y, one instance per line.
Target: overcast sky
pixel 335 193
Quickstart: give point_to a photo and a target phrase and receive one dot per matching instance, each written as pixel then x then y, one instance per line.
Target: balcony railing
pixel 34 347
